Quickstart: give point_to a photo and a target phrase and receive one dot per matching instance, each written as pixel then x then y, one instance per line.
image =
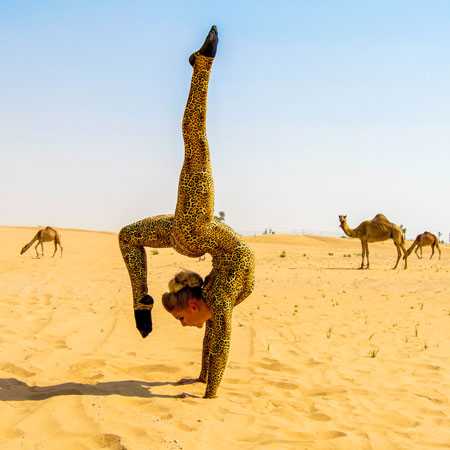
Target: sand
pixel 323 356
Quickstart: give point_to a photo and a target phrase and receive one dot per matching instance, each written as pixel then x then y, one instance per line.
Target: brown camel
pixel 422 240
pixel 376 230
pixel 47 234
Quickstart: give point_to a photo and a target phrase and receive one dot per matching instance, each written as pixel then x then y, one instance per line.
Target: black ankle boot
pixel 209 47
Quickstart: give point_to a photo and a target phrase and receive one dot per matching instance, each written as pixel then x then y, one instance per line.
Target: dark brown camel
pixel 422 240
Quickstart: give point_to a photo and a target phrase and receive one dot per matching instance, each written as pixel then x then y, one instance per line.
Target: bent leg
pixel 152 232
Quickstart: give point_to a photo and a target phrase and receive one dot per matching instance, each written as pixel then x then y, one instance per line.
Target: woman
pixel 193 231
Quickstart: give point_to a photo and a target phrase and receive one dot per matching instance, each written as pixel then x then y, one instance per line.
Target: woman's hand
pixel 186 395
pixel 188 380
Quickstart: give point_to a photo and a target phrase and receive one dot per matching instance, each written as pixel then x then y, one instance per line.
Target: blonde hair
pixel 184 286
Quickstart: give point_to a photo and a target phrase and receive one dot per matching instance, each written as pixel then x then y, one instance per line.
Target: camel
pixel 376 230
pixel 423 240
pixel 47 234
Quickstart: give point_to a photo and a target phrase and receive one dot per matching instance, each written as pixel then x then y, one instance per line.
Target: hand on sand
pixel 186 395
pixel 188 380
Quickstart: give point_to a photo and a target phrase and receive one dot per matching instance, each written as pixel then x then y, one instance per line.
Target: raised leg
pixel 195 204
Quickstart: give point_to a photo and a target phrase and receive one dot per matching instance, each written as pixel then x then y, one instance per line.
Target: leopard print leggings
pixel 193 231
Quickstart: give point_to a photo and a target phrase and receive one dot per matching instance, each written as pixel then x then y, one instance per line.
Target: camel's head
pixel 23 250
pixel 342 220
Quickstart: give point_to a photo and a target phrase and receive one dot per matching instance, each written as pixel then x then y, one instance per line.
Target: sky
pixel 315 109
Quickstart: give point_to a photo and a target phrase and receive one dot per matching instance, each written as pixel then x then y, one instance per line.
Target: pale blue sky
pixel 315 109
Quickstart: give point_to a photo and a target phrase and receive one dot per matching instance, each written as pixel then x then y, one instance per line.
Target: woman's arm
pixel 220 346
pixel 206 352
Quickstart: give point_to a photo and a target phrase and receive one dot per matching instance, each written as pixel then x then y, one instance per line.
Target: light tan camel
pixel 376 230
pixel 422 240
pixel 47 234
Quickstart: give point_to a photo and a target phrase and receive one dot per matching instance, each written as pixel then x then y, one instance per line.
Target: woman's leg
pixel 195 204
pixel 152 232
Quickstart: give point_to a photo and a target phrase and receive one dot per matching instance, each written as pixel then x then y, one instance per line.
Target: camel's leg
pixel 367 255
pixel 417 254
pixel 439 250
pixel 432 250
pixel 405 255
pixel 421 252
pixel 399 255
pixel 42 247
pixel 363 253
pixel 56 248
pixel 37 254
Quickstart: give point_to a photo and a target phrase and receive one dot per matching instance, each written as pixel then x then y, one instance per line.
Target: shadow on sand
pixel 12 389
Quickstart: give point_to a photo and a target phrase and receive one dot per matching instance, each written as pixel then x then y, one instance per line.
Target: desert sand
pixel 323 356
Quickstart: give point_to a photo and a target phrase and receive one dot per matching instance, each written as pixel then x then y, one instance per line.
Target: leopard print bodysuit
pixel 193 231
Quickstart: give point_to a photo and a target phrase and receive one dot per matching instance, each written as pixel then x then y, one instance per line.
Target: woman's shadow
pixel 12 389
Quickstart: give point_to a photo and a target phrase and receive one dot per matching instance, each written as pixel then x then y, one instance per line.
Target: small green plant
pixel 371 336
pixel 155 252
pixel 330 254
pixel 421 306
pixel 268 345
pixel 417 330
pixel 374 352
pixel 283 254
pixel 425 346
pixel 329 332
pixel 293 334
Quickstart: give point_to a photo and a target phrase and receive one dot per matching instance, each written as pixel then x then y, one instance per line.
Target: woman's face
pixel 193 316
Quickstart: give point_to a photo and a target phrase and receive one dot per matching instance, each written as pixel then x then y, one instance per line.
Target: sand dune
pixel 323 356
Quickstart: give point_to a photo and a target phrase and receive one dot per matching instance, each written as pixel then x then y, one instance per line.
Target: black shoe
pixel 209 47
pixel 143 317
